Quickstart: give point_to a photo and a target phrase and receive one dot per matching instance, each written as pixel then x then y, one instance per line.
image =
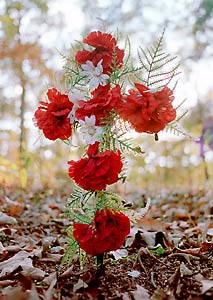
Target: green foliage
pixel 41 4
pixel 158 66
pixel 79 204
pixel 159 251
pixel 108 199
pixel 113 137
pixel 205 11
pixel 71 250
pixel 72 70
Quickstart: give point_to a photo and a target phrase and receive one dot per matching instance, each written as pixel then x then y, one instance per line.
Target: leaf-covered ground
pixel 168 255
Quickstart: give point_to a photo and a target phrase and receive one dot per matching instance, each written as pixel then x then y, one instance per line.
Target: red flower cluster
pixel 106 233
pixel 96 171
pixel 148 111
pixel 103 101
pixel 51 117
pixel 105 50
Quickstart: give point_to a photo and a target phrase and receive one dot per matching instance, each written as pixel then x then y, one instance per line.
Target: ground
pixel 168 254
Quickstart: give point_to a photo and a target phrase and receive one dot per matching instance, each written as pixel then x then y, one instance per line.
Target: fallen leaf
pixel 21 259
pixel 207 246
pixel 160 294
pixel 151 224
pixel 134 273
pixel 119 253
pixel 207 284
pixel 184 271
pixel 17 293
pixel 126 296
pixel 51 280
pixel 29 270
pixel 11 293
pixel 3 251
pixel 5 219
pixel 80 284
pixel 140 293
pixel 210 231
pixel 7 282
pixel 11 264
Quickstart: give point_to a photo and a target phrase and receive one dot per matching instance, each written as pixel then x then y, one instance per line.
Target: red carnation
pixel 103 101
pixel 96 171
pixel 106 233
pixel 51 117
pixel 148 111
pixel 105 50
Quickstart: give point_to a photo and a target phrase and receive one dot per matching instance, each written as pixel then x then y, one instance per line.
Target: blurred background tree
pixel 27 63
pixel 24 70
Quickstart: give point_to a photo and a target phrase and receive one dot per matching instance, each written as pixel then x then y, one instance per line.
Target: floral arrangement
pixel 105 97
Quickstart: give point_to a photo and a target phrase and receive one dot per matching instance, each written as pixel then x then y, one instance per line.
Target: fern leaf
pixel 157 64
pixel 71 249
pixel 127 50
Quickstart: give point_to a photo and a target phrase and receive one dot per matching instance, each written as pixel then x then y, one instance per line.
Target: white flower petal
pixel 94 82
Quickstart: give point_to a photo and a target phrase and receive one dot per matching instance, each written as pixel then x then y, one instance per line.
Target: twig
pixel 185 255
pixel 152 279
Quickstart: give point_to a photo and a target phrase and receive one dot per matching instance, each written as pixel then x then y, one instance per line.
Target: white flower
pixel 74 97
pixel 95 74
pixel 90 132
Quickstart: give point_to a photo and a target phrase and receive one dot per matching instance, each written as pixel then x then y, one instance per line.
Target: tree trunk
pixel 22 138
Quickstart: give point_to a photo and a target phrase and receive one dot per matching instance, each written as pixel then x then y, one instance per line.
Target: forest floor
pixel 168 255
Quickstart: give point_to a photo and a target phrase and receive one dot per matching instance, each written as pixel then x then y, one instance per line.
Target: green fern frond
pixel 127 49
pixel 85 216
pixel 126 145
pixel 78 196
pixel 177 130
pixel 180 105
pixel 109 200
pixel 157 65
pixel 70 251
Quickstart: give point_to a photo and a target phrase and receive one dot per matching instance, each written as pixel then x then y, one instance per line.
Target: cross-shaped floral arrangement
pixel 105 97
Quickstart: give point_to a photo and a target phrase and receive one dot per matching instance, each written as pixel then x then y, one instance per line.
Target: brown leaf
pixel 140 293
pixel 151 224
pixel 29 270
pixel 207 284
pixel 207 246
pixel 13 208
pixel 21 259
pixel 80 284
pixel 160 294
pixel 5 219
pixel 51 280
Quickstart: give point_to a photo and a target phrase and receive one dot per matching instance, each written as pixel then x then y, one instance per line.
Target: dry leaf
pixel 119 253
pixel 51 280
pixel 29 270
pixel 207 284
pixel 126 296
pixel 5 219
pixel 21 259
pixel 80 284
pixel 151 224
pixel 207 246
pixel 184 271
pixel 134 273
pixel 160 294
pixel 140 293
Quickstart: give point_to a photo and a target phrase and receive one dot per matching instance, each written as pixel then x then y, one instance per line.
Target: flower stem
pixel 99 259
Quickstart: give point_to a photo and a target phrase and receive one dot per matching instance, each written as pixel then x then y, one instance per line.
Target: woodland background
pixel 34 33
